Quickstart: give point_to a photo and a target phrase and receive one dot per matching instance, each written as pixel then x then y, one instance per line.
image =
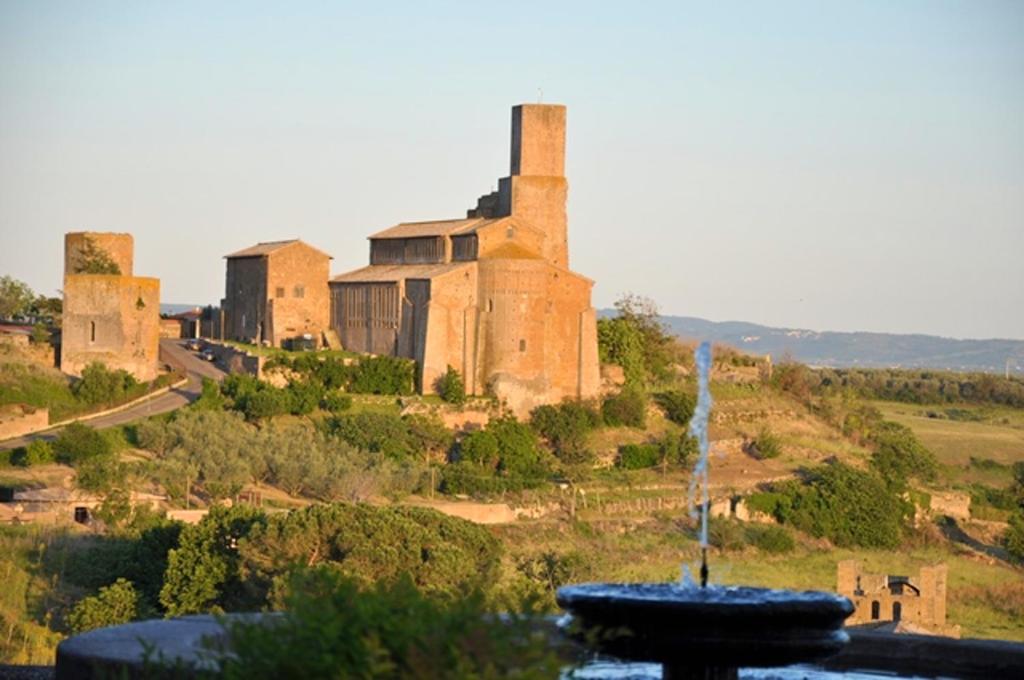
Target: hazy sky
pixel 828 165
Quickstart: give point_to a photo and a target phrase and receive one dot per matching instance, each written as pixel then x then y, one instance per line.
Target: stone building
pixel 275 292
pixel 913 604
pixel 491 294
pixel 111 317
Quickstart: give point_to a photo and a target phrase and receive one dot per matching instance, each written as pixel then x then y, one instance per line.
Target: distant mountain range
pixel 869 350
pixel 828 348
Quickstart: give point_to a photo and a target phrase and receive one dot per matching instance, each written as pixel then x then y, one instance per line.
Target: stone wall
pixel 113 320
pixel 919 600
pixel 235 360
pixel 299 298
pixel 19 419
pixel 245 299
pixel 170 328
pixel 951 504
pixel 119 247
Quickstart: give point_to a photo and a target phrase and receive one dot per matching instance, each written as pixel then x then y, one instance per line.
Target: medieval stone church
pixel 491 294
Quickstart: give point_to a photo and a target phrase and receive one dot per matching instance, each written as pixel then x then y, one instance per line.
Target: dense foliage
pixel 565 427
pixel 514 461
pixel 114 604
pixel 905 385
pixel 847 506
pixel 678 405
pixel 390 629
pixel 636 340
pixel 451 388
pixel 627 408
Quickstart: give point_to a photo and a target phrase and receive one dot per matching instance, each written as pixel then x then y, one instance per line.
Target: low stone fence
pixel 20 419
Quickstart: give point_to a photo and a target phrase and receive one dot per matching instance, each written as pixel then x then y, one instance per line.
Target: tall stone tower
pixel 110 316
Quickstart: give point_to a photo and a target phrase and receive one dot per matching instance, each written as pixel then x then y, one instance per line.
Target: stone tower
pixel 110 316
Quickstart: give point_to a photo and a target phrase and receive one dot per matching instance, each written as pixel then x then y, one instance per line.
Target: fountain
pixel 705 631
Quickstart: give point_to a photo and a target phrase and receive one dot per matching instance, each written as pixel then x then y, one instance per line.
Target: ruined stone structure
pixel 111 318
pixel 490 295
pixel 275 292
pixel 919 601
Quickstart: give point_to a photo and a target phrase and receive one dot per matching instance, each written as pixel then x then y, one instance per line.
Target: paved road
pixel 196 368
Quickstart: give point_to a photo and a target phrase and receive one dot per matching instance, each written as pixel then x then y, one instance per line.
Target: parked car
pixel 207 355
pixel 194 345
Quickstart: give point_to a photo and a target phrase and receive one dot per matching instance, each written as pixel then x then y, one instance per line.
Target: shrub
pixel 100 385
pixel 380 432
pixel 373 544
pixel 900 456
pixel 1013 539
pixel 566 426
pixel 303 397
pixel 677 448
pixel 115 604
pixel 765 445
pixel 770 539
pixel 517 448
pixel 79 442
pixel 627 408
pixel 336 401
pixel 267 402
pixel 451 388
pixel 677 405
pixel 389 630
pixel 332 373
pixel 210 399
pixel 38 452
pixel 480 448
pixel 202 572
pixel 726 534
pixel 382 375
pixel 847 506
pixel 638 456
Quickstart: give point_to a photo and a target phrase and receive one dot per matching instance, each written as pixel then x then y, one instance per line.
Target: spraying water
pixel 699 430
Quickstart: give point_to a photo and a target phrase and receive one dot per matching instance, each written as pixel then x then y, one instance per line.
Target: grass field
pixel 997 434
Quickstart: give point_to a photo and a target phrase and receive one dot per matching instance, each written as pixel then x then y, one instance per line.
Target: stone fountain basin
pixel 716 626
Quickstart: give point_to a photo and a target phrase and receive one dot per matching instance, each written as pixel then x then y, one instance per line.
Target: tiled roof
pixel 268 247
pixel 435 228
pixel 382 273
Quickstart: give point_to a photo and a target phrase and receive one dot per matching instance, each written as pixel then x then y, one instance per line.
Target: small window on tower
pixel 92 331
pixel 279 292
pixel 300 291
pixel 522 345
pixel 510 232
pixel 490 305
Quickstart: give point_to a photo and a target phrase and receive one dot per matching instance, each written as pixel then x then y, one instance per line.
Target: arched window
pixel 897 611
pixel 92 331
pixel 876 610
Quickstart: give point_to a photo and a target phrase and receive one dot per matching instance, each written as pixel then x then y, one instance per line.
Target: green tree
pixel 78 442
pixel 627 408
pixel 451 388
pixel 203 571
pixel 678 405
pixel 1013 539
pixel 480 448
pixel 899 455
pixel 565 426
pixel 115 604
pixel 100 385
pixel 372 544
pixel 15 297
pixel 41 334
pixel 94 260
pixel 389 630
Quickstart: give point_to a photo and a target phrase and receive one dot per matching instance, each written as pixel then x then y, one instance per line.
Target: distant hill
pixel 870 350
pixel 171 308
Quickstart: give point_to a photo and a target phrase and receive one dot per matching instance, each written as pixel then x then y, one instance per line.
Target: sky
pixel 825 165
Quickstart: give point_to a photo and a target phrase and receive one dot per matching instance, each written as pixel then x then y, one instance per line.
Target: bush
pixel 845 505
pixel 677 448
pixel 677 405
pixel 38 452
pixel 382 375
pixel 379 432
pixel 79 442
pixel 303 397
pixel 336 401
pixel 372 545
pixel 638 456
pixel 770 539
pixel 900 456
pixel 627 408
pixel 480 448
pixel 267 402
pixel 519 454
pixel 102 386
pixel 388 630
pixel 726 534
pixel 566 426
pixel 451 388
pixel 1013 539
pixel 765 445
pixel 203 571
pixel 115 604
